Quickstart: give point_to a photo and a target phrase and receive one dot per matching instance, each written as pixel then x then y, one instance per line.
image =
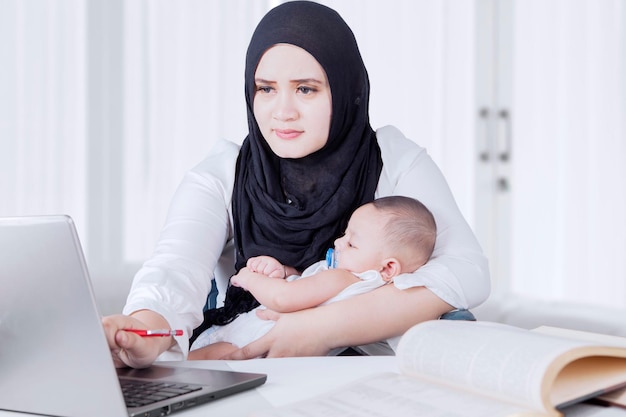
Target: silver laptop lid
pixel 54 358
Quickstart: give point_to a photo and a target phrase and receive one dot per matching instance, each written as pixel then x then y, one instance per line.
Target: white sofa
pixel 528 313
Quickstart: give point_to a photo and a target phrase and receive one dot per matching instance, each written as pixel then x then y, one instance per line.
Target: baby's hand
pixel 267 265
pixel 242 278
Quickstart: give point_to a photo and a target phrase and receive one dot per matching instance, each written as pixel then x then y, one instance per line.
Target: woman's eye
pixel 264 89
pixel 306 90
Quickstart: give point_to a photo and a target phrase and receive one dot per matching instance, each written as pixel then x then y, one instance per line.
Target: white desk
pixel 294 379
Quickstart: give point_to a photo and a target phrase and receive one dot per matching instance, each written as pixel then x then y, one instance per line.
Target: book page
pixel 394 395
pixel 490 359
pixel 602 374
pixel 595 338
pixel 616 398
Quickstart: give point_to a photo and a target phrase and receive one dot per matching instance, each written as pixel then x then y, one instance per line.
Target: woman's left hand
pixel 355 321
pixel 294 334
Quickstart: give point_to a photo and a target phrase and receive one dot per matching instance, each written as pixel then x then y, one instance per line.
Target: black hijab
pixel 293 209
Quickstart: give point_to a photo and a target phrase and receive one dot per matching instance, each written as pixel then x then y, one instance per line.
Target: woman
pixel 309 160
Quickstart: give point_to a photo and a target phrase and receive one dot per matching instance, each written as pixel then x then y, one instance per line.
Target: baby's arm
pixel 269 266
pixel 287 296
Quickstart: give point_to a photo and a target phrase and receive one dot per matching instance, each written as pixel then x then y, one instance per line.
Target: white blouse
pixel 195 245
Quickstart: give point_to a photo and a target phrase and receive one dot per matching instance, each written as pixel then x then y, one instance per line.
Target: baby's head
pixel 392 235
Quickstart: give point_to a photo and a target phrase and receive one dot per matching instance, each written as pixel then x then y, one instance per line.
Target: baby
pixel 384 238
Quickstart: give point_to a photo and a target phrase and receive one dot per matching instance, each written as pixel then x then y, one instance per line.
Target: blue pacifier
pixel 331 258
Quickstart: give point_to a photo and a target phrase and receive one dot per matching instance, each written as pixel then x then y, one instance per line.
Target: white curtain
pixel 105 105
pixel 183 68
pixel 569 171
pixel 42 108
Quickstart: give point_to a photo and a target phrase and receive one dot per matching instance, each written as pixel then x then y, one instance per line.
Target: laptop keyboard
pixel 140 393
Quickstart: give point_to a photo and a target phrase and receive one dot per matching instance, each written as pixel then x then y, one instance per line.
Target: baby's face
pixel 362 247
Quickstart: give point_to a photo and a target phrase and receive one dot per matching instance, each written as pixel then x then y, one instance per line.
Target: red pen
pixel 155 333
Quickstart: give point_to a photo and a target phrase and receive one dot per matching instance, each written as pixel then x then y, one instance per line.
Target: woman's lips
pixel 287 133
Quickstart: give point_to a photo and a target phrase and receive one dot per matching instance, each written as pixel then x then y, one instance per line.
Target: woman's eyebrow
pixel 308 81
pixel 296 81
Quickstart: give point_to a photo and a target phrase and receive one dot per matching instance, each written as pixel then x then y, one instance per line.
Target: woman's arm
pixel 288 296
pixel 458 271
pixel 367 318
pixel 174 283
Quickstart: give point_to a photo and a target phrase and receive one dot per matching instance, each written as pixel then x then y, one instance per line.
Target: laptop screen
pixel 54 356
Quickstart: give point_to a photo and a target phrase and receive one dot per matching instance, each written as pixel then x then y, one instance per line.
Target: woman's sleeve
pixel 458 271
pixel 176 279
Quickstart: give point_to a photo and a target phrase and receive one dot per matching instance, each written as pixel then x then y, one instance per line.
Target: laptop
pixel 54 357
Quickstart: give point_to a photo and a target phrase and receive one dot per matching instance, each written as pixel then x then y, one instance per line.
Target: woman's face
pixel 292 101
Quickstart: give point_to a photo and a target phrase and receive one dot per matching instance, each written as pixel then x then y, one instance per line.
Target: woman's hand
pixel 129 349
pixel 366 318
pixel 294 334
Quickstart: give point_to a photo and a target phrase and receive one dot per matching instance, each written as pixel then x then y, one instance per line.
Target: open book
pixel 461 368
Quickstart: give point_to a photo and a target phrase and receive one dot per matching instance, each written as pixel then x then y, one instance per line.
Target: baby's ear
pixel 391 268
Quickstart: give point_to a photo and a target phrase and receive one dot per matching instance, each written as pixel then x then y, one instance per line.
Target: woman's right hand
pixel 129 349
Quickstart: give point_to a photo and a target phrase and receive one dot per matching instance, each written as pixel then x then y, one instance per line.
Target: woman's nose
pixel 285 108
